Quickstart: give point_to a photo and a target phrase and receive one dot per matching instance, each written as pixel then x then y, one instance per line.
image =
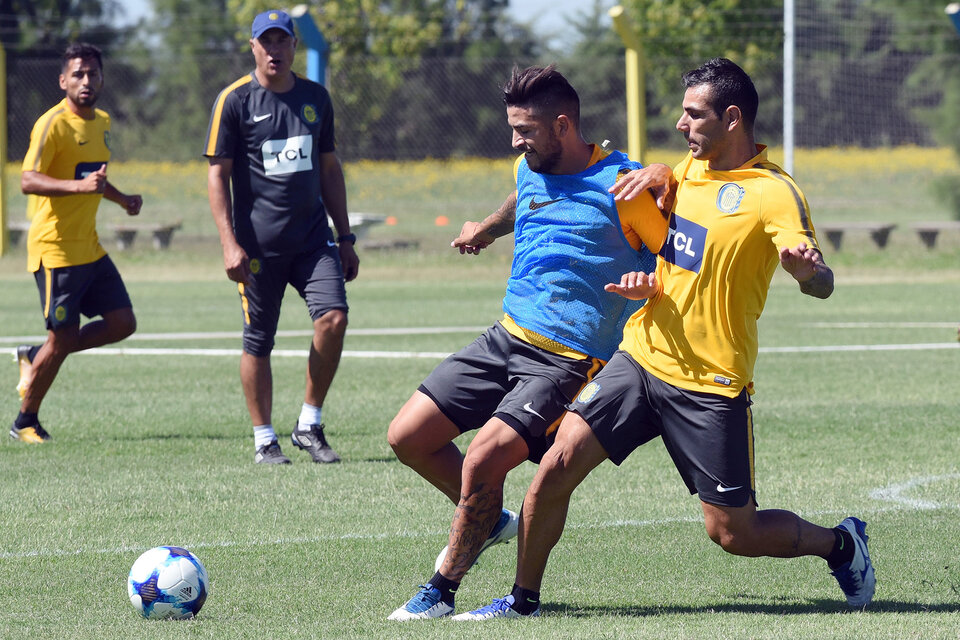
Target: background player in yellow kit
pixel 65 174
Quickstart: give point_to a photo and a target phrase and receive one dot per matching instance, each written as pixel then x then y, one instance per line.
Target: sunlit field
pixel 856 414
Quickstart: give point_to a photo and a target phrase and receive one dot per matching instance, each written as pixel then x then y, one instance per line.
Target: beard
pixel 545 161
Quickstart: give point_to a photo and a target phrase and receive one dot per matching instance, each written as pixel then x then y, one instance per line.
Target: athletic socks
pixel 32 354
pixel 25 420
pixel 446 587
pixel 525 601
pixel 263 435
pixel 309 416
pixel 842 551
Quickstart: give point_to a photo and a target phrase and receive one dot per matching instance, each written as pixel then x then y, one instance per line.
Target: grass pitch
pixel 856 413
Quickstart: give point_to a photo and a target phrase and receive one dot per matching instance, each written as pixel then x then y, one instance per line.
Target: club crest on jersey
pixel 309 113
pixel 685 243
pixel 588 393
pixel 729 197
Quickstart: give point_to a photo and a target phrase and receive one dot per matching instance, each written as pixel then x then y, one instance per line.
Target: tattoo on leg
pixel 474 519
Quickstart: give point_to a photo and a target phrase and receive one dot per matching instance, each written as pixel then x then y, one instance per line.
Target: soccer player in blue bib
pixel 684 371
pixel 559 325
pixel 271 134
pixel 65 176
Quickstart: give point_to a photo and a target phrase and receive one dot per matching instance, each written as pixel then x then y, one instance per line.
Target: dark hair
pixel 84 51
pixel 545 90
pixel 730 84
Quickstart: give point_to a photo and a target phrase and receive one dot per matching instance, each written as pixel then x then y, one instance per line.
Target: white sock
pixel 309 416
pixel 263 435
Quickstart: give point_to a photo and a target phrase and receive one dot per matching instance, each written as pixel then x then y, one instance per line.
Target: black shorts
pixel 317 277
pixel 709 436
pixel 91 289
pixel 500 375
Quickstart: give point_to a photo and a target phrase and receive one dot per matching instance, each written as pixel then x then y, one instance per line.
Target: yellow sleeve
pixel 516 168
pixel 786 215
pixel 43 146
pixel 642 221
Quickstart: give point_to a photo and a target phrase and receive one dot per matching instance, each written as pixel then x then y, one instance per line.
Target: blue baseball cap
pixel 273 19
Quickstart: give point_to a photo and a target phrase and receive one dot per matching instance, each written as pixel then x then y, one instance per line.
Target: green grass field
pixel 856 413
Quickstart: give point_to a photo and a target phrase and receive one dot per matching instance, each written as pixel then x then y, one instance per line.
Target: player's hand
pixel 132 204
pixel 94 182
pixel 472 239
pixel 635 285
pixel 236 263
pixel 658 178
pixel 801 261
pixel 349 261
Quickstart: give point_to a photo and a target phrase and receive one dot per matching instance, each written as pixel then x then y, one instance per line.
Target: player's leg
pixel 421 436
pixel 319 279
pixel 107 298
pixel 496 449
pixel 260 300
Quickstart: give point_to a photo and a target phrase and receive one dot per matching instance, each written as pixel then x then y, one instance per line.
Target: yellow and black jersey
pixel 275 141
pixel 700 331
pixel 63 229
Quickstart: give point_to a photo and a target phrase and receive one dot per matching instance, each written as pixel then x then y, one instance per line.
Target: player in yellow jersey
pixel 684 369
pixel 65 175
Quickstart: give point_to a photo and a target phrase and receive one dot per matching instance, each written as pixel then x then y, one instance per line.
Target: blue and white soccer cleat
pixel 503 531
pixel 499 608
pixel 857 578
pixel 426 604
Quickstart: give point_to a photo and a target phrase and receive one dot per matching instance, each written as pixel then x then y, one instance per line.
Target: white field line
pixel 884 325
pixel 891 495
pixel 298 333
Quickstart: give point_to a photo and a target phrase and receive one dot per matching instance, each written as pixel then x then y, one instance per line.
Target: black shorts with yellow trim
pixel 709 436
pixel 315 274
pixel 500 375
pixel 91 289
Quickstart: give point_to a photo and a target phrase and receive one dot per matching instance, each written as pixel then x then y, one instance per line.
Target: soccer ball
pixel 167 582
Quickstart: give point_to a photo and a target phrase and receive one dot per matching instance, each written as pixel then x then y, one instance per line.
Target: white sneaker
pixel 505 530
pixel 426 604
pixel 499 608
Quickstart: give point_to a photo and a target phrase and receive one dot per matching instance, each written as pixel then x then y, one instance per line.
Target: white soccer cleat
pixel 499 608
pixel 505 530
pixel 424 605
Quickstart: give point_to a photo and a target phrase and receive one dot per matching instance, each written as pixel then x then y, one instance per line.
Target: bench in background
pixel 162 233
pixel 879 231
pixel 928 231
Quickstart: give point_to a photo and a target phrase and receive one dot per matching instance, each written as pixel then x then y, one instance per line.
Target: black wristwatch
pixel 347 237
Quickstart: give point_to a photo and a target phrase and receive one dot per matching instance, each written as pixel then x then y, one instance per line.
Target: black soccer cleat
pixel 270 454
pixel 314 443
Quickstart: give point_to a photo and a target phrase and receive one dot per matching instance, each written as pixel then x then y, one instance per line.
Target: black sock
pixel 32 355
pixel 448 588
pixel 842 551
pixel 525 601
pixel 25 420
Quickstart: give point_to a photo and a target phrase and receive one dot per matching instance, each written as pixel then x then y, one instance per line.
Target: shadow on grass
pixel 786 608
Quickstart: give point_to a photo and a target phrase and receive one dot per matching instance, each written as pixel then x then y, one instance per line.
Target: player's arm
pixel 657 178
pixel 334 190
pixel 476 236
pixel 807 267
pixel 235 260
pixel 131 203
pixel 40 184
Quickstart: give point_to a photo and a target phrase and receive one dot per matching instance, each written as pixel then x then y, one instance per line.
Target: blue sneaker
pixel 499 608
pixel 857 578
pixel 505 529
pixel 426 604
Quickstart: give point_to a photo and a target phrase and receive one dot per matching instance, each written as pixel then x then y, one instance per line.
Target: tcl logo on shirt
pixel 684 244
pixel 287 156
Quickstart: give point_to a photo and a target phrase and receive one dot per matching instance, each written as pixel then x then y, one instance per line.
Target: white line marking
pixel 279 353
pixel 697 520
pixel 895 493
pixel 295 333
pixel 884 325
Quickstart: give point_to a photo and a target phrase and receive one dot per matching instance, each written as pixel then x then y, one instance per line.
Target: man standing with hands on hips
pixel 272 135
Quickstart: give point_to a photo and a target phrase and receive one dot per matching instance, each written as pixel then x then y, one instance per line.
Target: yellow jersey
pixel 63 229
pixel 700 331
